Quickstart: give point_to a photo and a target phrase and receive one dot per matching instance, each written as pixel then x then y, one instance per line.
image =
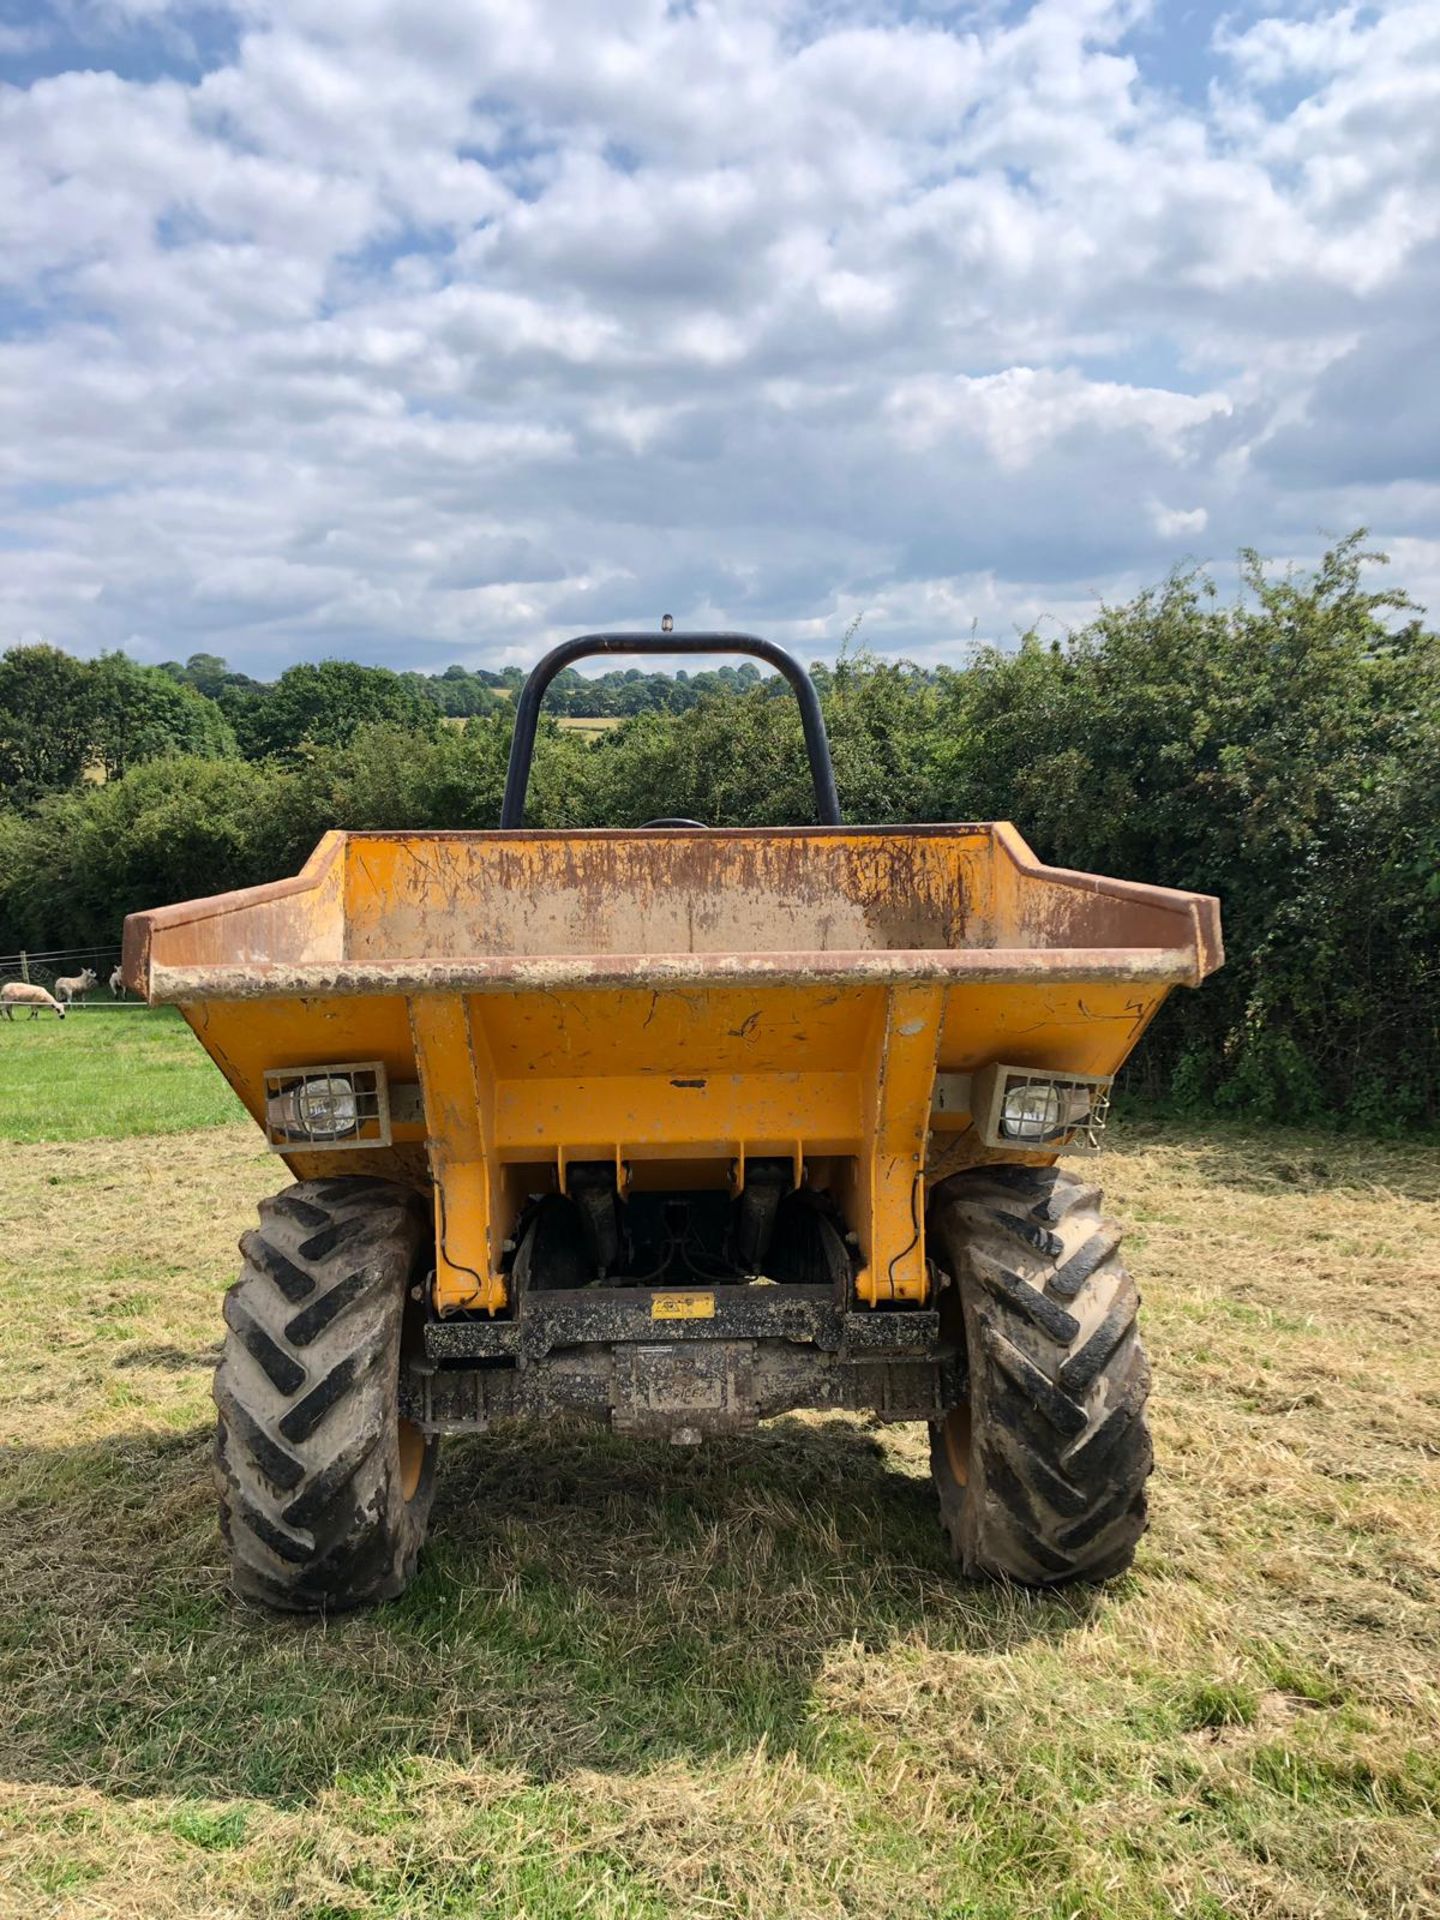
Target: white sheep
pixel 69 984
pixel 117 982
pixel 23 993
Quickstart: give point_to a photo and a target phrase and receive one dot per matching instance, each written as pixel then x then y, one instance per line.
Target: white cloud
pixel 1276 48
pixel 1016 415
pixel 1177 523
pixel 411 328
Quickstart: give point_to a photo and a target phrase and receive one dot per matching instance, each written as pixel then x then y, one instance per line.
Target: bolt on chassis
pixel 677 1128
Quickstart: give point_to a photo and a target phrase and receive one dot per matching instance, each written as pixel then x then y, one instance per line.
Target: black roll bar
pixel 527 707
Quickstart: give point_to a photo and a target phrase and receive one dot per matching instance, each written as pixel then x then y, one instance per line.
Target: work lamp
pixel 1030 1107
pixel 346 1105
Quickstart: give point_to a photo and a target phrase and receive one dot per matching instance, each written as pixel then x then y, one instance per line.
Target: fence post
pixel 25 967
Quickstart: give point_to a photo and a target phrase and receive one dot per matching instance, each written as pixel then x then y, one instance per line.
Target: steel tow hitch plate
pixel 700 1387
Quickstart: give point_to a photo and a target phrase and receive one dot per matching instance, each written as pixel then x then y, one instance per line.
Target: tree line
pixel 1281 749
pixel 327 701
pixel 63 719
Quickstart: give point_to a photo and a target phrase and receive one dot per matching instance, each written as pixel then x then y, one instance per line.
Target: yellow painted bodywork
pixel 674 1003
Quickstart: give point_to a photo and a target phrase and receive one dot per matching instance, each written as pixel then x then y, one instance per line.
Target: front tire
pixel 325 1491
pixel 1042 1474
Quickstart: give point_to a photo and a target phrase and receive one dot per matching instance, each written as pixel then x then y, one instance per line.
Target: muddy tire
pixel 1042 1475
pixel 324 1490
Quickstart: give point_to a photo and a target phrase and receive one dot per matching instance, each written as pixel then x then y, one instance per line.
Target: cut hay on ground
pixel 743 1682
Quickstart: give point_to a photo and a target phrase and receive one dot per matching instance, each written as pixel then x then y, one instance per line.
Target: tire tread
pixel 306 1455
pixel 1059 1451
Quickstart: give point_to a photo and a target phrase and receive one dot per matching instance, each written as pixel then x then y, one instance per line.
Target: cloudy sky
pixel 423 330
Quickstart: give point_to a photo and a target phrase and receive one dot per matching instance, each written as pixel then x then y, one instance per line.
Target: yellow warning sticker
pixel 683 1306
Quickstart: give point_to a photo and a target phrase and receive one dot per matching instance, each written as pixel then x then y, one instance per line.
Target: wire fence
pixel 90 975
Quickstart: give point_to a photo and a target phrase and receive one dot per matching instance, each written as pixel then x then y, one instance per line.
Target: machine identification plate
pixel 683 1306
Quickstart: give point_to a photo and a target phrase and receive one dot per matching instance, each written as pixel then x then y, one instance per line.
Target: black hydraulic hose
pixel 527 707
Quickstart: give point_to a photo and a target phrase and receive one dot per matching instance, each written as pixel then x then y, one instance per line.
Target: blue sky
pixel 423 330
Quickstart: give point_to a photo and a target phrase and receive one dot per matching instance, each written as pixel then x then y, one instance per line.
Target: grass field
pixel 107 1072
pixel 570 723
pixel 634 1683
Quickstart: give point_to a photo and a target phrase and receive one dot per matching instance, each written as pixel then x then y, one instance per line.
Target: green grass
pixel 106 1073
pixel 635 1683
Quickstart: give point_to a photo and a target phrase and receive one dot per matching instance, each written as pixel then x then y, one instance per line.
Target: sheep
pixel 23 993
pixel 70 984
pixel 117 983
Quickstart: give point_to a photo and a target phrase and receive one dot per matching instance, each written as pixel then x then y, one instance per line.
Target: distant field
pixel 572 723
pixel 104 1073
pixel 639 1683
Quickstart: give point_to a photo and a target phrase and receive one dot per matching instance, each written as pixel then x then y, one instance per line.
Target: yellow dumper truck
pixel 677 1128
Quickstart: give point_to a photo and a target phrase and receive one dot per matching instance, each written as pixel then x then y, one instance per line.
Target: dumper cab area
pixel 675 1127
